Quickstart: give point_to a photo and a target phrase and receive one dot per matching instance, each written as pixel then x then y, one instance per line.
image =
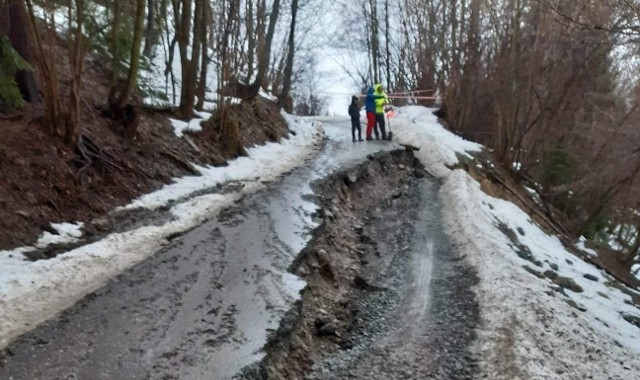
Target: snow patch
pixel 418 126
pixel 581 246
pixel 267 95
pixel 263 163
pixel 531 327
pixel 66 233
pixel 193 125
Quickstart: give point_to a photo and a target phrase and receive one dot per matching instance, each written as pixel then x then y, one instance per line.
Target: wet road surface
pixel 202 307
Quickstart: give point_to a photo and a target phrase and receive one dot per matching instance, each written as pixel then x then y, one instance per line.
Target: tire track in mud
pixel 387 295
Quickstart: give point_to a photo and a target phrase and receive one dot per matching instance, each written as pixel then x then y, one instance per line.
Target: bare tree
pixel 285 96
pixel 264 46
pixel 134 65
pixel 46 63
pixel 189 37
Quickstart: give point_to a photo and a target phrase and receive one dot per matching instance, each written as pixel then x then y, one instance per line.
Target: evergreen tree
pixel 10 63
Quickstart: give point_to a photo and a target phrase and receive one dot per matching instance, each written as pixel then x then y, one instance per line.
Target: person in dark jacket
pixel 354 112
pixel 371 104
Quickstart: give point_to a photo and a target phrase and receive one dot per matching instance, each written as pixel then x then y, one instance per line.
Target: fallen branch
pixel 186 165
pixel 86 145
pixel 11 117
pixel 85 158
pixel 190 142
pixel 558 229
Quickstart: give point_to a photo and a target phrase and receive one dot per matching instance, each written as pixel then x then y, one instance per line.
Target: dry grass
pixel 226 129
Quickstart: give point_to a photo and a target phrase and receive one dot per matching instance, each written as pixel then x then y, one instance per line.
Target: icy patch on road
pixel 531 327
pixel 31 292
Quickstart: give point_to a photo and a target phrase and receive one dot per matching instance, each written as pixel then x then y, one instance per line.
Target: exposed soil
pixel 368 311
pixel 42 180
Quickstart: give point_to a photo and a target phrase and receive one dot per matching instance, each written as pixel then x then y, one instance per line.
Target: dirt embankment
pixel 43 180
pixel 333 265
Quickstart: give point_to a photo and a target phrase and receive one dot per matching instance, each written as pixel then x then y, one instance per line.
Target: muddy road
pixel 387 296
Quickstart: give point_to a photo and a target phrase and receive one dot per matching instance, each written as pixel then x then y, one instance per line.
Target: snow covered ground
pixel 31 292
pixel 531 328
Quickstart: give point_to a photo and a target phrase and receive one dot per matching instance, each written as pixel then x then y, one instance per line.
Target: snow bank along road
pixel 205 302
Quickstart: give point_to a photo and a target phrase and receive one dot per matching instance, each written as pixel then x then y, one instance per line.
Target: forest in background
pixel 201 47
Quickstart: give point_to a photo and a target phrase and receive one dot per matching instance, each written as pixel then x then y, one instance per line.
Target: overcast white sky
pixel 338 87
pixel 329 32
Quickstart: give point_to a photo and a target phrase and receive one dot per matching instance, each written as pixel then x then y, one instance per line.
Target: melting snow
pixel 531 328
pixel 66 233
pixel 193 125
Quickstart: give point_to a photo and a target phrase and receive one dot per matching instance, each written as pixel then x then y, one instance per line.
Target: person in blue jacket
pixel 375 95
pixel 354 112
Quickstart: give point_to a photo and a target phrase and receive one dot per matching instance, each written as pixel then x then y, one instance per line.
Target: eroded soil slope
pixel 43 180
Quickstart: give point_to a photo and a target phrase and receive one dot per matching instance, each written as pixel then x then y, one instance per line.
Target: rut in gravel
pixel 387 297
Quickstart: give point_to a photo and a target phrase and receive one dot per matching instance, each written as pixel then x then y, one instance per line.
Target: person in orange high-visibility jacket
pixel 380 100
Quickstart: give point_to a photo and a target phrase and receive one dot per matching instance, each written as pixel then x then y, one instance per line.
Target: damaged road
pixel 386 295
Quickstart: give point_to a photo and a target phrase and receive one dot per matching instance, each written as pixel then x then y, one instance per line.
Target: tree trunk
pixel 115 55
pixel 76 65
pixel 251 43
pixel 20 40
pixel 375 44
pixel 151 32
pixel 264 55
pixel 189 88
pixel 226 79
pixel 204 65
pixel 183 30
pixel 48 70
pixel 135 56
pixel 387 41
pixel 284 99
